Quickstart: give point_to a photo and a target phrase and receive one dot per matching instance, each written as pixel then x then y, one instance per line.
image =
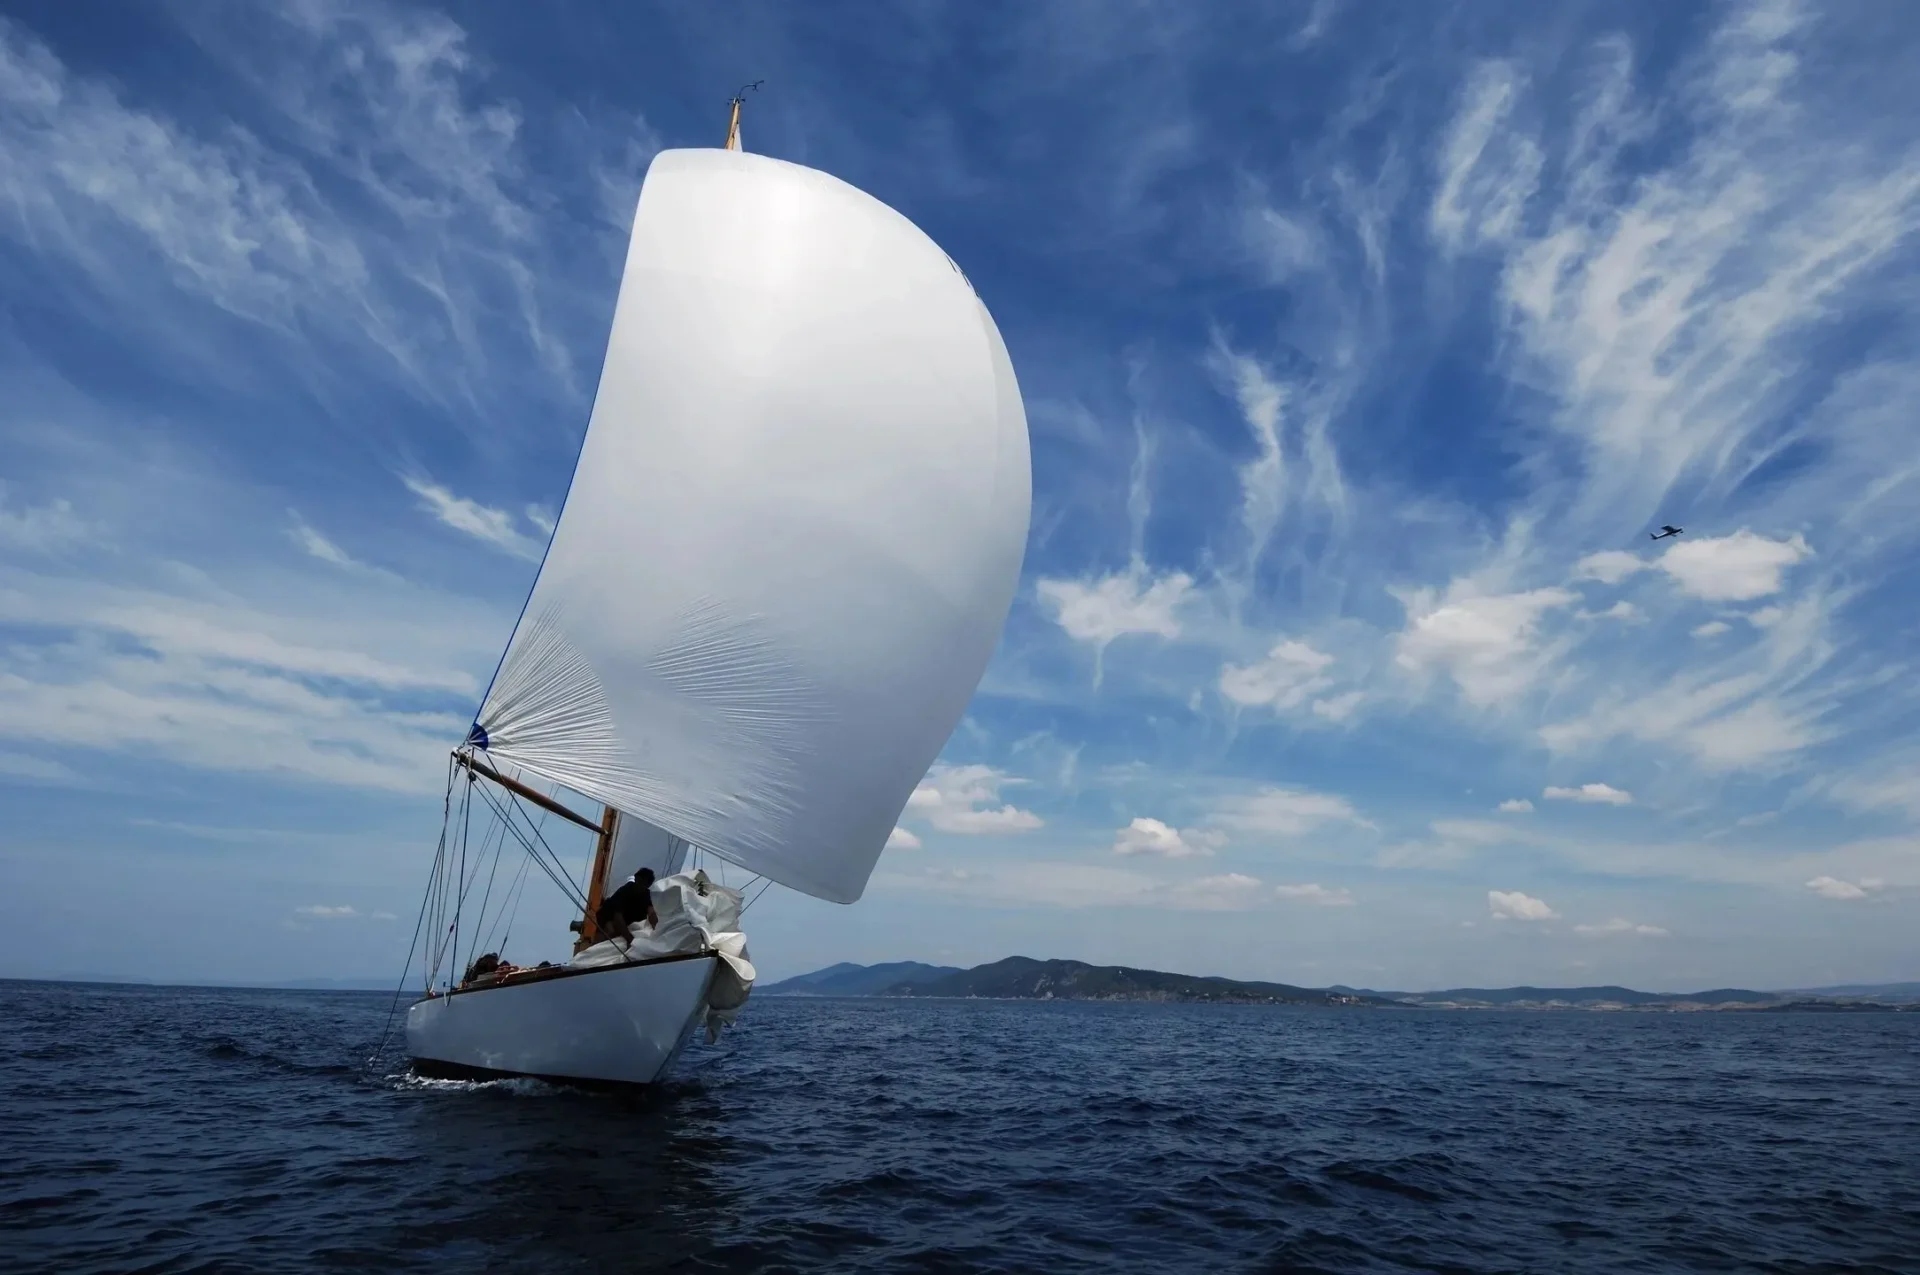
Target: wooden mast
pixel 610 820
pixel 597 879
pixel 733 121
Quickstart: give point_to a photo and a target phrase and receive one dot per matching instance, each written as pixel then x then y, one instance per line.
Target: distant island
pixel 1024 978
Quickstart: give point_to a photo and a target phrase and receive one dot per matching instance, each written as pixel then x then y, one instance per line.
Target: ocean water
pixel 171 1129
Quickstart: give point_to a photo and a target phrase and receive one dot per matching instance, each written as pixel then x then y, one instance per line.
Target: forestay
pixel 794 530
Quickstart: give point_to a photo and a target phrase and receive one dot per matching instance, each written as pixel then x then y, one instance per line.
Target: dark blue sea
pixel 180 1129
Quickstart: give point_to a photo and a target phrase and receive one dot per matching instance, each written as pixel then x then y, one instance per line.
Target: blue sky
pixel 1361 347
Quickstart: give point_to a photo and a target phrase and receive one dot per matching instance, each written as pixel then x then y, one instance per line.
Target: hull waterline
pixel 622 1024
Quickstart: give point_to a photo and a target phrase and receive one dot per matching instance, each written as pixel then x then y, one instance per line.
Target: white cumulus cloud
pixel 1485 642
pixel 1151 836
pixel 901 839
pixel 1619 925
pixel 1735 568
pixel 1512 905
pixel 1610 566
pixel 1338 708
pixel 1591 794
pixel 1514 806
pixel 962 799
pixel 1100 610
pixel 1834 888
pixel 1625 612
pixel 325 912
pixel 1312 892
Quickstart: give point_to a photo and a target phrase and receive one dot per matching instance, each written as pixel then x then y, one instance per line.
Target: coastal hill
pixel 1024 978
pixel 846 979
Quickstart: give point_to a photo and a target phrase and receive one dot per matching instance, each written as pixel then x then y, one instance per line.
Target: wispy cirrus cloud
pixel 491 526
pixel 1352 412
pixel 1284 812
pixel 395 236
pixel 39 528
pixel 318 545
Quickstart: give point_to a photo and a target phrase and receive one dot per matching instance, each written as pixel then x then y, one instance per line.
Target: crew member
pixel 626 907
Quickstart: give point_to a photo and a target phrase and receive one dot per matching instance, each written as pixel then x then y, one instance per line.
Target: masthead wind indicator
pixel 733 121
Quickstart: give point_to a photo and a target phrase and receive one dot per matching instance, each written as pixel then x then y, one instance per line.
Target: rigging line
pixel 552 791
pixel 550 864
pixel 507 825
pixel 498 839
pixel 572 892
pixel 518 893
pixel 487 895
pixel 454 884
pixel 538 837
pixel 466 888
pixel 500 913
pixel 450 879
pixel 418 922
pixel 515 891
pixel 506 898
pixel 437 928
pixel 437 931
pixel 756 898
pixel 460 898
pixel 558 878
pixel 578 893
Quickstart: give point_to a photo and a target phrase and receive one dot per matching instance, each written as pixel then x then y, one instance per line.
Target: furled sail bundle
pixel 793 534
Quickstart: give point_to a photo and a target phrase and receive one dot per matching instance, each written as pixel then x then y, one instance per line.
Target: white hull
pixel 624 1023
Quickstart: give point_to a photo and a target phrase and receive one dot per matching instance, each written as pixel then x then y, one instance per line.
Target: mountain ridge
pixel 1028 978
pixel 848 979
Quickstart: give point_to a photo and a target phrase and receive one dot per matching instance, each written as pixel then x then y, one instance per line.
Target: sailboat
pixel 787 553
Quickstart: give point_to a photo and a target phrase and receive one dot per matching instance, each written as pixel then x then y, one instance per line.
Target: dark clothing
pixel 626 906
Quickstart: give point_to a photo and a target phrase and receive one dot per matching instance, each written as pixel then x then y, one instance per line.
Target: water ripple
pixel 204 1131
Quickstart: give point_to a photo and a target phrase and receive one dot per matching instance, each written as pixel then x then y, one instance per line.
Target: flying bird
pixel 1665 532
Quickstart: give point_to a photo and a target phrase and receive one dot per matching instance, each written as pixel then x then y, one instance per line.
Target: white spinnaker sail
pixel 793 534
